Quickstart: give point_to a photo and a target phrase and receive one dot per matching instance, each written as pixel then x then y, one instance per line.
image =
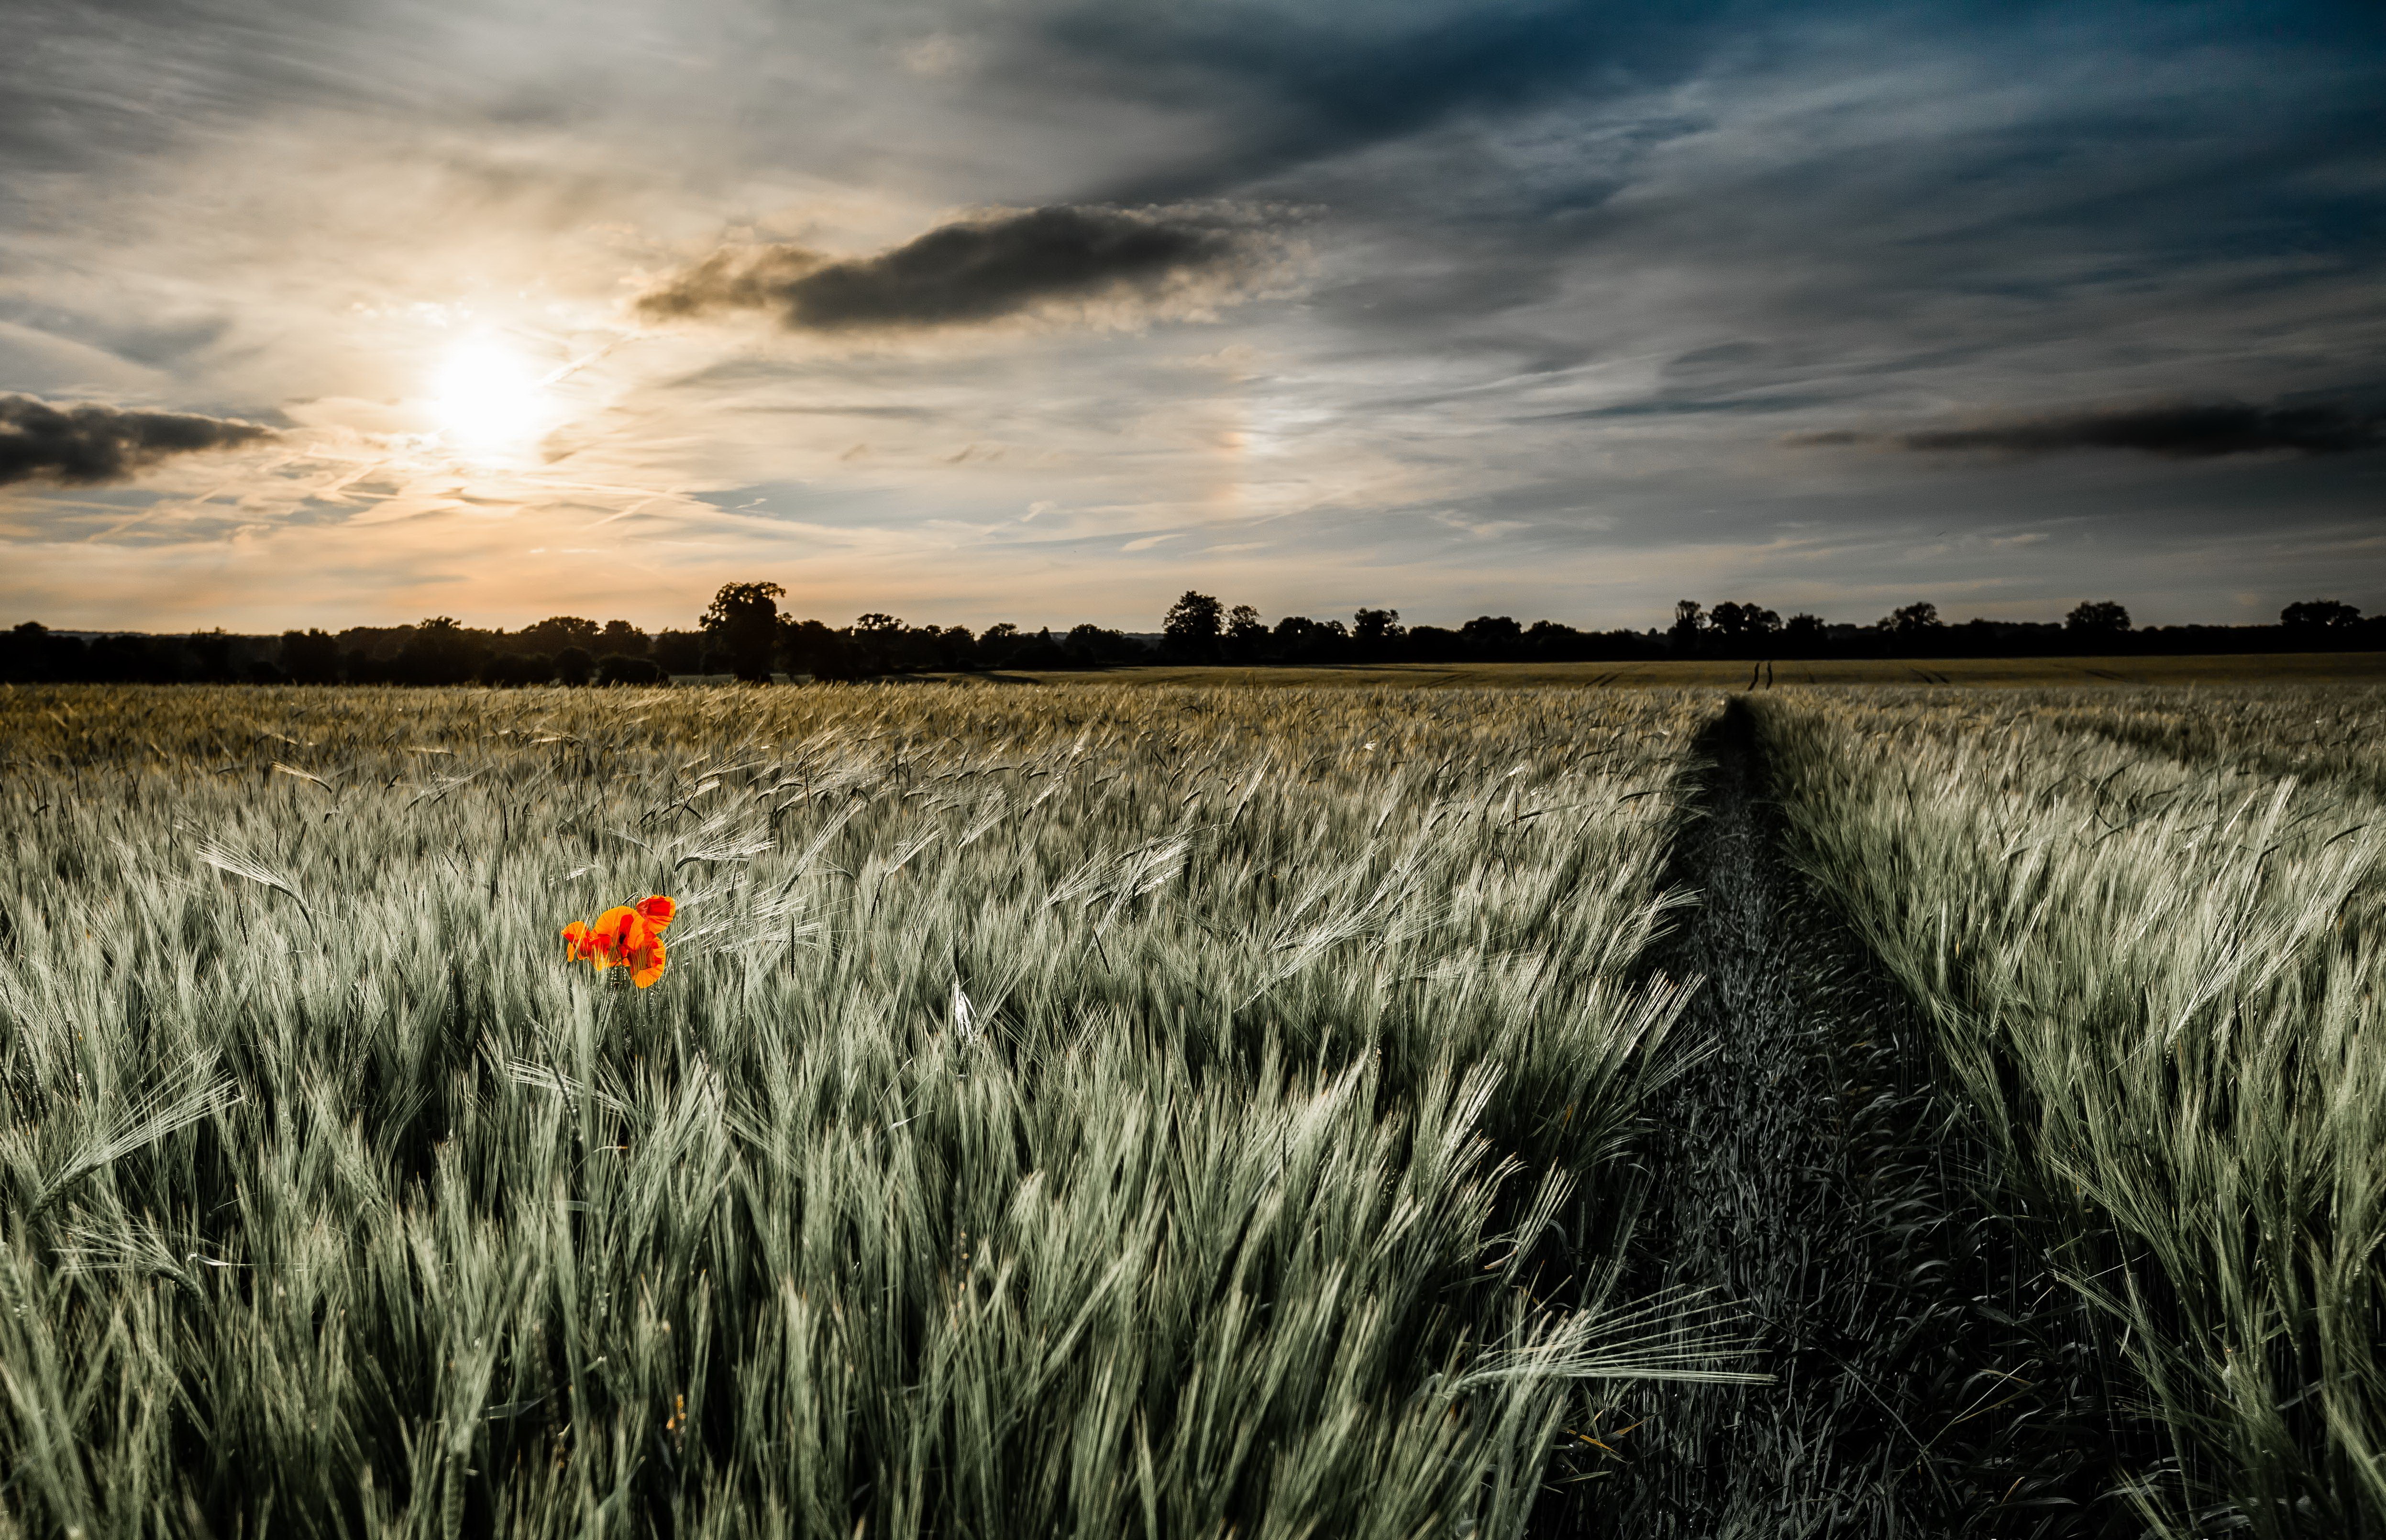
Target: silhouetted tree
pixel 1689 624
pixel 2319 615
pixel 811 648
pixel 1912 620
pixel 1804 633
pixel 1095 646
pixel 1373 631
pixel 1247 635
pixel 1552 641
pixel 678 652
pixel 620 639
pixel 1191 627
pixel 2097 617
pixel 310 657
pixel 557 632
pixel 998 644
pixel 620 667
pixel 211 655
pixel 1299 639
pixel 744 622
pixel 519 669
pixel 1744 619
pixel 573 666
pixel 440 651
pixel 1040 651
pixel 1493 637
pixel 35 654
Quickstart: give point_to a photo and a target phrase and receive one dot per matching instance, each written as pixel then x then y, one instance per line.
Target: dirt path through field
pixel 1804 1169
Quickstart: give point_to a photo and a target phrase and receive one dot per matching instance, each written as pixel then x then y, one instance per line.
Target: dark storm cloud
pixel 88 444
pixel 970 272
pixel 2182 431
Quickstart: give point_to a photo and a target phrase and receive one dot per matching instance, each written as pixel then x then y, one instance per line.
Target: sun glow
pixel 488 398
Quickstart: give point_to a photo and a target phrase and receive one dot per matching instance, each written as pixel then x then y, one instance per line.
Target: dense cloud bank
pixel 89 445
pixel 2183 431
pixel 966 272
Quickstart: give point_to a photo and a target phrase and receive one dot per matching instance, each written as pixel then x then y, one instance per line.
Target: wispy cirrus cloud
pixel 91 444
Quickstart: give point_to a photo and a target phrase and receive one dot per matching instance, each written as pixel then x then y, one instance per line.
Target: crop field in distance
pixel 1162 1107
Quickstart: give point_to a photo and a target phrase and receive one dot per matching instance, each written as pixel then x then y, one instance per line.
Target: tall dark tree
pixel 2319 615
pixel 1374 631
pixel 1299 639
pixel 1095 646
pixel 1552 641
pixel 998 645
pixel 2097 617
pixel 827 656
pixel 1191 627
pixel 621 667
pixel 744 622
pixel 1912 620
pixel 310 657
pixel 559 631
pixel 678 652
pixel 440 651
pixel 33 654
pixel 1493 637
pixel 1744 619
pixel 573 665
pixel 1247 635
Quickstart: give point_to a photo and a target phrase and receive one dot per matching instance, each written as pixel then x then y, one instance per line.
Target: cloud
pixel 966 272
pixel 1286 85
pixel 2182 431
pixel 88 444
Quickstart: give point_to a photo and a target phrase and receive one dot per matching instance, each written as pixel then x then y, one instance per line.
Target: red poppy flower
pixel 630 935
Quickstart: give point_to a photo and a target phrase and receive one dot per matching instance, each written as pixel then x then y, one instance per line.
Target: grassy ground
pixel 1128 1109
pixel 2252 668
pixel 2154 965
pixel 1930 1373
pixel 1176 1113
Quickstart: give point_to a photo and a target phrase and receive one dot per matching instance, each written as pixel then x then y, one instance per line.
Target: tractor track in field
pixel 1929 1378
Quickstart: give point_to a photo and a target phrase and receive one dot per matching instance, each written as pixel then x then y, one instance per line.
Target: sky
pixel 1046 311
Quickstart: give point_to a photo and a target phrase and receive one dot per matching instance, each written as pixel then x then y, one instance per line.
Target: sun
pixel 488 398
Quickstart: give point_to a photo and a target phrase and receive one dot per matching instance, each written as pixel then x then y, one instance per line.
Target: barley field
pixel 2146 930
pixel 1177 1113
pixel 1194 1110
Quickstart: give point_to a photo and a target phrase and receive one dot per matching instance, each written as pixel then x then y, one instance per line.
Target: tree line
pixel 1198 628
pixel 744 634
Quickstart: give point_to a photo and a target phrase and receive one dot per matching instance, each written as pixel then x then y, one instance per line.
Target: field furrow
pixel 2153 980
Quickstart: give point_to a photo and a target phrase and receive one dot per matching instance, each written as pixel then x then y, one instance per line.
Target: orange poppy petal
pixel 657 911
pixel 648 963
